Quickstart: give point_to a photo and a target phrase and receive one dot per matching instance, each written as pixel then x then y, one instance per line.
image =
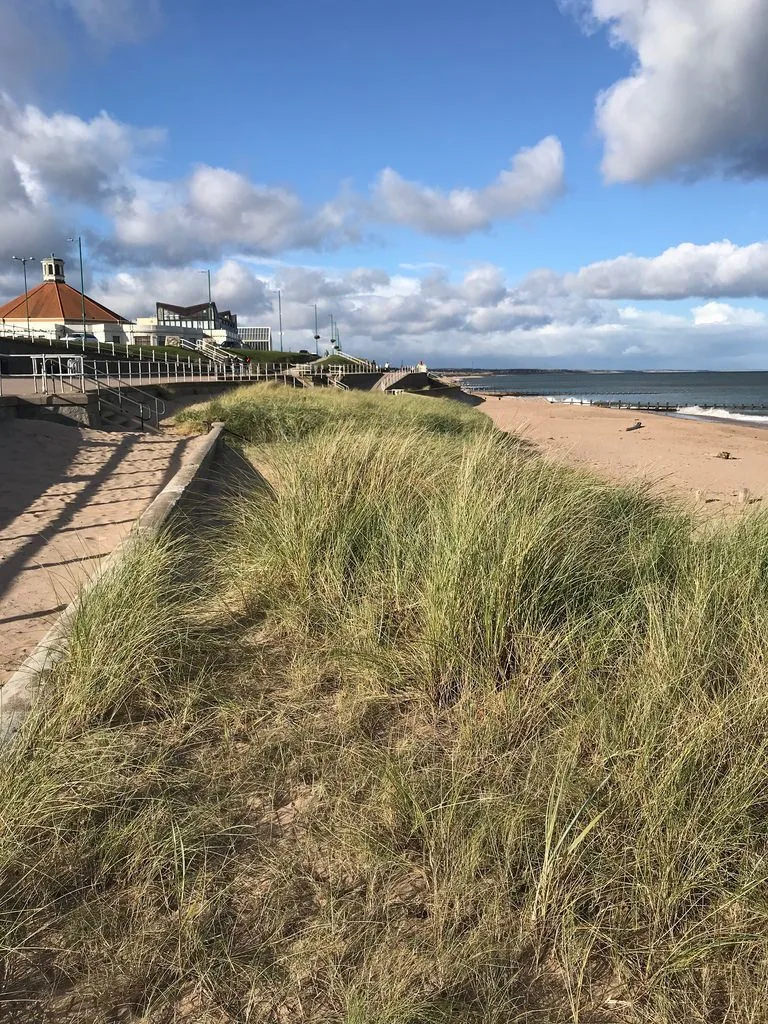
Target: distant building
pixel 56 311
pixel 173 325
pixel 258 338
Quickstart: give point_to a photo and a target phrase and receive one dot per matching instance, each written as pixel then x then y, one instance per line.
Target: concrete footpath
pixel 68 497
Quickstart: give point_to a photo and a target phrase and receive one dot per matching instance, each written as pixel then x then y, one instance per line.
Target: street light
pixel 210 301
pixel 317 336
pixel 24 260
pixel 280 316
pixel 82 280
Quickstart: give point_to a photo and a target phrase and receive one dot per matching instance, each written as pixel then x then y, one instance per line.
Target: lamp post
pixel 82 280
pixel 280 316
pixel 317 336
pixel 24 260
pixel 210 301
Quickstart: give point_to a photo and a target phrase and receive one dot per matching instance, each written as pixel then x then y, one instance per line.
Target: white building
pixel 173 325
pixel 258 338
pixel 56 310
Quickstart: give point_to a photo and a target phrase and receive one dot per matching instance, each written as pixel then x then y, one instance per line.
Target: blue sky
pixel 457 182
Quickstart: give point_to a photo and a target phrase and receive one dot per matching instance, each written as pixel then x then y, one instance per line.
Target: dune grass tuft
pixel 436 731
pixel 266 413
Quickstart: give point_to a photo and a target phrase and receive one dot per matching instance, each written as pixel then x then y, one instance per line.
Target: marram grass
pixel 436 731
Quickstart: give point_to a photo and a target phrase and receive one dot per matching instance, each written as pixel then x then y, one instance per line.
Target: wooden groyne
pixel 669 407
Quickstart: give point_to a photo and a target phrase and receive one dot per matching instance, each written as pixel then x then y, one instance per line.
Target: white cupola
pixel 53 269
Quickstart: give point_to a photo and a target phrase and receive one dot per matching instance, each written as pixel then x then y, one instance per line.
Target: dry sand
pixel 68 497
pixel 678 456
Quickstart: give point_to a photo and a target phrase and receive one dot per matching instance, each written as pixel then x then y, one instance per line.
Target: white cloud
pixel 134 293
pixel 77 160
pixel 720 314
pixel 535 178
pixel 52 166
pixel 215 210
pixel 716 270
pixel 448 322
pixel 694 101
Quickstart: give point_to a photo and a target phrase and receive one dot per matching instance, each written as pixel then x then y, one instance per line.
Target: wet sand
pixel 677 456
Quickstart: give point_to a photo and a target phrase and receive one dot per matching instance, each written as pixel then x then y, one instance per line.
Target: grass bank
pixel 436 732
pixel 264 413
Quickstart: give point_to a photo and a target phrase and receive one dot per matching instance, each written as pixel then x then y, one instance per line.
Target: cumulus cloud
pixel 534 178
pixel 216 209
pixel 717 270
pixel 78 160
pixel 720 314
pixel 233 286
pixel 53 165
pixel 694 101
pixel 450 321
pixel 48 161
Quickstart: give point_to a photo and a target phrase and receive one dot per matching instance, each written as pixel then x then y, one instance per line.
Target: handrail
pixel 124 387
pixel 144 414
pixel 143 410
pixel 390 378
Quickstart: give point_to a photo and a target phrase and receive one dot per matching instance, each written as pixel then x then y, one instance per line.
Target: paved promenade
pixel 68 496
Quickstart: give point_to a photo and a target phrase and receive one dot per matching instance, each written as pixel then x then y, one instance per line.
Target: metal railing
pixel 54 373
pixel 45 373
pixel 392 377
pixel 115 384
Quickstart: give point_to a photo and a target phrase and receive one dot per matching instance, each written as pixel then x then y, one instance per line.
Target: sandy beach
pixel 677 456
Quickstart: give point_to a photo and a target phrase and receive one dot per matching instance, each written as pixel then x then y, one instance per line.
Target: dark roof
pixel 188 312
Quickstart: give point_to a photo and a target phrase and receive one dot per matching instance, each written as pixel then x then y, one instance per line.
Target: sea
pixel 736 396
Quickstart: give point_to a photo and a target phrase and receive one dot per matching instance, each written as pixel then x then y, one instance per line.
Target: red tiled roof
pixel 55 300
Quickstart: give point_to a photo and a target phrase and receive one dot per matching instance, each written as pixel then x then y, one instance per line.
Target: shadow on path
pixel 12 565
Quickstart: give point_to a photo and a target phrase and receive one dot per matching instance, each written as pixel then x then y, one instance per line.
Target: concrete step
pixel 118 419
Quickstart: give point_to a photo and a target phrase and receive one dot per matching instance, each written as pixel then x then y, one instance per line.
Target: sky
pixel 512 183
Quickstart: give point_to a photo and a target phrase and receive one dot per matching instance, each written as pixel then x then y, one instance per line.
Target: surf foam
pixel 722 414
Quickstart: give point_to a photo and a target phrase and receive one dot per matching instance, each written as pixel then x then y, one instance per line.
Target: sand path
pixel 678 456
pixel 68 496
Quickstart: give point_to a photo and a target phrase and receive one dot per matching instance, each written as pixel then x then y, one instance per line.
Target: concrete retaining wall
pixel 76 410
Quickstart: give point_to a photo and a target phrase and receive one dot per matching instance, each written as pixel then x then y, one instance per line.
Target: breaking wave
pixel 722 414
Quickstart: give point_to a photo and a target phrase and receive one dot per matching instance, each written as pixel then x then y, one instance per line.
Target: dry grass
pixel 436 732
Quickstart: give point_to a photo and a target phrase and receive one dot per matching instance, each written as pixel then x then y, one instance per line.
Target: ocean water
pixel 719 395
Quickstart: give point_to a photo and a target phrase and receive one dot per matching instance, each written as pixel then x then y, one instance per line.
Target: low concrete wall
pixel 75 410
pixel 22 689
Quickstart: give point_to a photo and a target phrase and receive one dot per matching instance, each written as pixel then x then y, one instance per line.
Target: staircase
pixel 390 379
pixel 121 406
pixel 114 418
pixel 209 350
